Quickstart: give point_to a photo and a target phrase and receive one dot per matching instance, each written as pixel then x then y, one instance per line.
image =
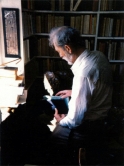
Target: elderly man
pixel 91 94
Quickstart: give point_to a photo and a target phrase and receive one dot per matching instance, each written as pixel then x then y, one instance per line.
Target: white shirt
pixel 91 90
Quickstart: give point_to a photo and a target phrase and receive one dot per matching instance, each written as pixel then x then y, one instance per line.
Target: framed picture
pixel 10 17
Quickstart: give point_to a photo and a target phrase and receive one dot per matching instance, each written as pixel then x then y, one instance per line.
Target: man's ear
pixel 68 49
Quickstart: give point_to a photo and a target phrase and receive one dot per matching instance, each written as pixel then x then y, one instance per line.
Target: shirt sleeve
pixel 78 105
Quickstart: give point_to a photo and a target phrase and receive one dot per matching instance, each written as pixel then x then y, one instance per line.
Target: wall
pixel 3 60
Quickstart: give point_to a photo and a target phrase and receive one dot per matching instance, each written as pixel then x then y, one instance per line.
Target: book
pixel 49 22
pixel 11 81
pixel 121 50
pixel 117 27
pixel 8 72
pixel 60 21
pixel 102 26
pixel 52 4
pixel 86 24
pixel 115 50
pixel 71 5
pixel 62 5
pixel 95 5
pixel 81 24
pixel 93 25
pixel 110 50
pixel 76 5
pixel 86 43
pixel 102 46
pixel 122 28
pixel 107 25
pixel 78 22
pixel 26 50
pixel 38 24
pixel 61 104
pixel 111 27
pixel 72 21
pixel 56 21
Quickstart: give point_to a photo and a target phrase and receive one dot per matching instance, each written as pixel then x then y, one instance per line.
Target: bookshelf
pixel 101 23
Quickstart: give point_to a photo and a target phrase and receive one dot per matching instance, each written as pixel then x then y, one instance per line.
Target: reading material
pixel 57 102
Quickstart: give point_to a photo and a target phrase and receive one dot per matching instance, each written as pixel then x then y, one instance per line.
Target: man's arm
pixel 79 103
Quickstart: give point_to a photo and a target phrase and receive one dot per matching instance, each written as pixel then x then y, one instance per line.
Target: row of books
pixel 111 27
pixel 86 24
pixel 112 49
pixel 61 5
pixel 109 5
pixel 73 5
pixel 42 48
pixel 44 23
pixel 53 65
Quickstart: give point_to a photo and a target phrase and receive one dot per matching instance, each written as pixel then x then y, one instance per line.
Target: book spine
pixel 26 51
pixel 95 5
pixel 71 5
pixel 76 5
pixel 122 28
pixel 115 49
pixel 121 50
pixel 62 5
pixel 111 27
pixel 91 24
pixel 52 5
pixel 110 50
pixel 117 27
pixel 38 24
pixel 107 25
pixel 82 21
pixel 86 24
pixel 72 21
pixel 103 25
pixel 77 22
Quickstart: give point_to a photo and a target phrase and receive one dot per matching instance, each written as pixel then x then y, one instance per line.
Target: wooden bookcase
pixel 101 23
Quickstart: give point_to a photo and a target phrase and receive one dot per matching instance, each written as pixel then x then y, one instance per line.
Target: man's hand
pixel 57 116
pixel 64 93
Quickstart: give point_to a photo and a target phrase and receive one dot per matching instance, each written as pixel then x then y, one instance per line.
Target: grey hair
pixel 65 35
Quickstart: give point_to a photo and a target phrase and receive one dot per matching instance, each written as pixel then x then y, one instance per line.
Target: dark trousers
pixel 81 136
pixel 66 142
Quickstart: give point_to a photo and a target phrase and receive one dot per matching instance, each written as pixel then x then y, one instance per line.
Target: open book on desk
pixel 57 102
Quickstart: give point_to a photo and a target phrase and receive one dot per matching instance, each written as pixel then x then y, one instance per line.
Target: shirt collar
pixel 79 60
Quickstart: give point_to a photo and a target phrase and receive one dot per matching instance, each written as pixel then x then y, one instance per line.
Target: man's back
pixel 92 73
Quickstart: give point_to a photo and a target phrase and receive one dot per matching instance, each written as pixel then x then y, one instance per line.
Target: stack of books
pixel 10 86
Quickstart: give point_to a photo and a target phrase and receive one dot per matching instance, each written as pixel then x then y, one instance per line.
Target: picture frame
pixel 11 31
